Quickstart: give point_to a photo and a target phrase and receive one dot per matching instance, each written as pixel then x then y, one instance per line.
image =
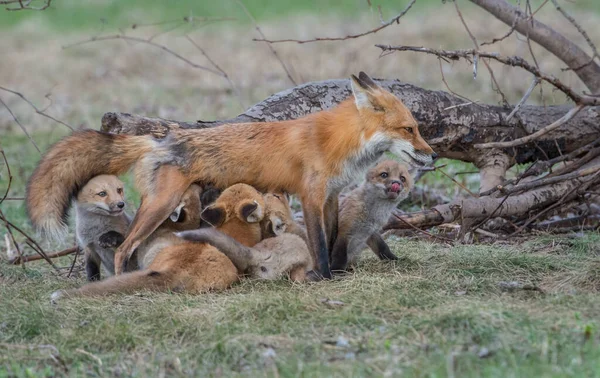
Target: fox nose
pixel 121 205
pixel 434 156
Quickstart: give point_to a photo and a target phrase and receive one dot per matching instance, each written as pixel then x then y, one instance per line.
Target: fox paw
pixel 111 239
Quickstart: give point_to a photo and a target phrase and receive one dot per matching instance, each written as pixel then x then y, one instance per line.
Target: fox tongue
pixel 395 187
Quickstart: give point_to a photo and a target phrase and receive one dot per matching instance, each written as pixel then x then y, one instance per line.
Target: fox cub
pixel 366 209
pixel 283 249
pixel 101 223
pixel 170 263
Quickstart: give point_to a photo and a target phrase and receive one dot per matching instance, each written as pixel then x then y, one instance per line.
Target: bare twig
pixel 10 177
pixel 38 111
pixel 218 68
pixel 351 36
pixel 65 252
pixel 581 31
pixel 148 42
pixel 515 61
pixel 24 5
pixel 531 137
pixel 448 86
pixel 534 83
pixel 445 240
pixel 21 126
pixel 251 17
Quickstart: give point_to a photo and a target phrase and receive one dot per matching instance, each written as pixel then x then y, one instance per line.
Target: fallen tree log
pixel 487 206
pixel 446 122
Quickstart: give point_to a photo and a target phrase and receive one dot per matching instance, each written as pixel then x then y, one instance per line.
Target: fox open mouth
pixel 394 190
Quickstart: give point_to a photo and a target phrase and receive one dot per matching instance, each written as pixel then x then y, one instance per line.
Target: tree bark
pixel 567 51
pixel 450 127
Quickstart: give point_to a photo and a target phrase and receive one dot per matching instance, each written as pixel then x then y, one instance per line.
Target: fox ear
pixel 276 226
pixel 250 211
pixel 365 79
pixel 363 93
pixel 176 214
pixel 214 215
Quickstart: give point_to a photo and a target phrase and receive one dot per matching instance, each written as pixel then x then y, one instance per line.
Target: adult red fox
pixel 314 156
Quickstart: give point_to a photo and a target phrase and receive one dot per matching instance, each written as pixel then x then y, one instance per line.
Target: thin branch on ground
pixel 445 240
pixel 396 20
pixel 41 112
pixel 18 260
pixel 515 61
pixel 32 243
pixel 20 125
pixel 531 137
pixel 264 38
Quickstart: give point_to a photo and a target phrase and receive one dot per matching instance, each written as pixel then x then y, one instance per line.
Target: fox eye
pixel 120 190
pixel 410 130
pixel 383 174
pixel 403 179
pixel 102 194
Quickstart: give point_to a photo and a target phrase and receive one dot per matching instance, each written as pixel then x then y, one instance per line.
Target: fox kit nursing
pixel 170 263
pixel 314 156
pixel 101 223
pixel 283 249
pixel 366 209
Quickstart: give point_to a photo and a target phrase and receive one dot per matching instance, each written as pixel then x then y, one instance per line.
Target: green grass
pixel 437 312
pixel 71 14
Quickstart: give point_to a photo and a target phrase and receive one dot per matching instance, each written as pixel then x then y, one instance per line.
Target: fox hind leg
pixel 170 184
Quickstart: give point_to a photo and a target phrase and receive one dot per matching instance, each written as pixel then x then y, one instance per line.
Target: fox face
pixel 103 195
pixel 390 180
pixel 386 118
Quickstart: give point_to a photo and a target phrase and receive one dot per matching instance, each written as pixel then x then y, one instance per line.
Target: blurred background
pixel 67 61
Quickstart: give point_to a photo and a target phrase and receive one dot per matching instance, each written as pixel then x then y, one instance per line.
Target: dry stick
pixel 38 111
pixel 19 260
pixel 456 182
pixel 448 87
pixel 72 265
pixel 534 83
pixel 575 165
pixel 553 180
pixel 21 126
pixel 539 167
pixel 476 56
pixel 24 5
pixel 351 36
pixel 31 242
pixel 145 41
pixel 235 89
pixel 10 177
pixel 450 241
pixel 581 31
pixel 560 202
pixel 526 139
pixel 258 29
pixel 14 199
pixel 473 39
pixel 515 61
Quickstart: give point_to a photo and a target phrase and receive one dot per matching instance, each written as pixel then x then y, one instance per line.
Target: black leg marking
pixel 380 248
pixel 92 269
pixel 339 255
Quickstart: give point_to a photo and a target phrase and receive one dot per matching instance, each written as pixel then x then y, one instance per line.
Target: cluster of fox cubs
pixel 314 157
pixel 252 234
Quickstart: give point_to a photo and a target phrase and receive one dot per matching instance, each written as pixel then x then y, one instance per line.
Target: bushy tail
pixel 240 255
pixel 124 284
pixel 70 164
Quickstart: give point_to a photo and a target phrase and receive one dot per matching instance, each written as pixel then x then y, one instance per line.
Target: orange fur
pixel 314 157
pixel 171 263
